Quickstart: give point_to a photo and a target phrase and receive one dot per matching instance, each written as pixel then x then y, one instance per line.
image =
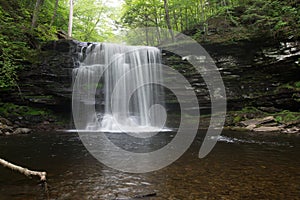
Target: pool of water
pixel 241 166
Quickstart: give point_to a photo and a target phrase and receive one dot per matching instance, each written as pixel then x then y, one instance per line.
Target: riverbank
pixel 269 120
pixel 21 119
pixel 249 120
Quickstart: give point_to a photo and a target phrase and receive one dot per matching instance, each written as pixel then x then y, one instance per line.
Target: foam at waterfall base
pixel 139 129
pixel 129 125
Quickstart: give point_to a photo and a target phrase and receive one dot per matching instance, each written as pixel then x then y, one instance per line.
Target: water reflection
pixel 239 167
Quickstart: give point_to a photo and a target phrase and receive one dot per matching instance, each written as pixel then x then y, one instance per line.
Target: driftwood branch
pixel 23 170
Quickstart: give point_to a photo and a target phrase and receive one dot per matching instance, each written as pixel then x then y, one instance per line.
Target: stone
pixel 293 130
pixel 5 128
pixel 271 124
pixel 269 109
pixel 21 131
pixel 251 127
pixel 5 121
pixel 293 123
pixel 7 133
pixel 258 121
pixel 267 129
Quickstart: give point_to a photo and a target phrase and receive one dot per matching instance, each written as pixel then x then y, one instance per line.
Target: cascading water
pixel 117 89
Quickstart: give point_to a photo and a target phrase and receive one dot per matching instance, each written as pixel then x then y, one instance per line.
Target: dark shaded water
pixel 240 167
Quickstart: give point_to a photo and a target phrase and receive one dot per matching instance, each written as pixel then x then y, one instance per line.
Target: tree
pixel 70 19
pixel 54 13
pixel 92 20
pixel 167 16
pixel 36 12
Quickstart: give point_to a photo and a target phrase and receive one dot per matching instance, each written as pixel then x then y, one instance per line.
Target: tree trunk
pixel 181 20
pixel 70 19
pixel 36 12
pixel 175 20
pixel 54 13
pixel 157 25
pixel 168 19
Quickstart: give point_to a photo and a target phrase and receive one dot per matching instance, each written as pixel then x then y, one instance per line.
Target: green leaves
pixel 258 17
pixel 13 48
pixel 276 17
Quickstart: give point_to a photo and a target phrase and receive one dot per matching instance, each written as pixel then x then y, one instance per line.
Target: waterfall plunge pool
pixel 241 166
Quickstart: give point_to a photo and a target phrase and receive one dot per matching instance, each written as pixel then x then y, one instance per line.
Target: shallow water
pixel 241 166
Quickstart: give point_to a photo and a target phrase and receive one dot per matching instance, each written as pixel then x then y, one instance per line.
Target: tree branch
pixel 24 171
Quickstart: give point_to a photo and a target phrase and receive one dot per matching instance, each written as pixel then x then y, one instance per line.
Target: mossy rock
pixel 10 109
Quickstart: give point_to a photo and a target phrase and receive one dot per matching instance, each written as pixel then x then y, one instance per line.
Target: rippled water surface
pixel 241 166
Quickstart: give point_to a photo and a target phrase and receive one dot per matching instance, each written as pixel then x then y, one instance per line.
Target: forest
pixel 23 32
pixel 232 91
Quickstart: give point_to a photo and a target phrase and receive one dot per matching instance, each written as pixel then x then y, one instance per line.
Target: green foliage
pixel 92 20
pixel 252 112
pixel 275 18
pixel 245 113
pixel 19 42
pixel 292 86
pixel 237 119
pixel 10 109
pixel 14 48
pixel 287 116
pixel 242 18
pixel 297 84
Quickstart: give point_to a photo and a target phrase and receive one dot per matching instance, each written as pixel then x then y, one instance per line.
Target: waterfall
pixel 117 89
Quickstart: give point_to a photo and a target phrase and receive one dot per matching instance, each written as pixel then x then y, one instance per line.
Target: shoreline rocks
pixel 7 128
pixel 268 124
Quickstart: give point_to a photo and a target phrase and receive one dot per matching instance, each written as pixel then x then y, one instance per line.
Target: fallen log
pixel 23 170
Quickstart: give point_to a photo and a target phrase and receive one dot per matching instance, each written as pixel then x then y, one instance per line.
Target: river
pixel 241 166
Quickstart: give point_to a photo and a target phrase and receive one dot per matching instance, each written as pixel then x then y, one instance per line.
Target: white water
pixel 115 91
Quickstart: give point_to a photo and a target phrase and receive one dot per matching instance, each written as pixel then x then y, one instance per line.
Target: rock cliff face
pixel 254 74
pixel 48 83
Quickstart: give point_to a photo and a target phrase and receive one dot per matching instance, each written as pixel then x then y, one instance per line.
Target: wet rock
pixel 5 121
pixel 21 131
pixel 272 124
pixel 251 127
pixel 293 123
pixel 252 123
pixel 267 129
pixel 48 81
pixel 269 109
pixel 7 133
pixel 293 130
pixel 236 128
pixel 253 74
pixel 4 128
